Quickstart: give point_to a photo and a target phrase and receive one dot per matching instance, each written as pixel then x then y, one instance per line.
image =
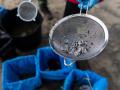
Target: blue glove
pixel 97 82
pixel 3 11
pixel 87 3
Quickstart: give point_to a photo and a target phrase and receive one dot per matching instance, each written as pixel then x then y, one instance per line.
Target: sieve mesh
pixel 77 37
pixel 27 11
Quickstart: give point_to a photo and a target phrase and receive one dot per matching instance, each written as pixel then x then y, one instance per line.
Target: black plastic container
pixel 26 35
pixel 7 49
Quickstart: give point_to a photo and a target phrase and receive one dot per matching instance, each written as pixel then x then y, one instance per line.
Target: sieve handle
pixel 68 64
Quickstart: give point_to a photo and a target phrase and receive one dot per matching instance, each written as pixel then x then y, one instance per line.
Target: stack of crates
pixel 27 72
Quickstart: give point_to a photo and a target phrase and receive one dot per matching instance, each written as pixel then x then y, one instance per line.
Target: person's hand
pixel 87 3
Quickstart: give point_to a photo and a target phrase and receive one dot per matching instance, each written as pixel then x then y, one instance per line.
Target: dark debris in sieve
pixel 77 48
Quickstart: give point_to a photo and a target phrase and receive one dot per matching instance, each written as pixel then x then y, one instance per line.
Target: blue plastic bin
pixel 85 78
pixel 20 74
pixel 47 60
pixel 28 73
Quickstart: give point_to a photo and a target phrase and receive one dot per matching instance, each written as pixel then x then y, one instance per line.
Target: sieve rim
pixel 97 20
pixel 18 14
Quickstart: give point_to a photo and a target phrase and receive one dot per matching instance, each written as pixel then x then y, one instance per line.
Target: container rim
pixel 23 2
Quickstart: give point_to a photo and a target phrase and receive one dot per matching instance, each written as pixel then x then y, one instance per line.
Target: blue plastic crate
pixel 85 78
pixel 47 60
pixel 20 74
pixel 27 72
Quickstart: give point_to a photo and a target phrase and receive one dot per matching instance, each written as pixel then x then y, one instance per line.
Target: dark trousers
pixel 72 8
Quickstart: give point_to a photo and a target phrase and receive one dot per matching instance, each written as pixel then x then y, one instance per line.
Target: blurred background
pixel 108 62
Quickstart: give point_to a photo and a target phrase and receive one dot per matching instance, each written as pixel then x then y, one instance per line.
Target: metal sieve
pixel 78 37
pixel 27 11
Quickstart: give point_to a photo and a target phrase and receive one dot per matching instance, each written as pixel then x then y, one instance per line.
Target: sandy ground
pixel 107 63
